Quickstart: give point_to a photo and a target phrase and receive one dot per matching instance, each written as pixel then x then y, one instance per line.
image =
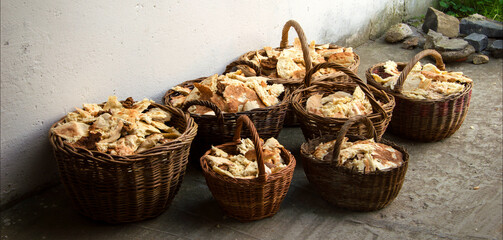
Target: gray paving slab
pixel 438 199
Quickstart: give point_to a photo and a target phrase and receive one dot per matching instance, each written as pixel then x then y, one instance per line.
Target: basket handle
pixel 344 129
pixel 353 76
pixel 405 72
pixel 243 119
pixel 303 42
pixel 219 114
pixel 236 63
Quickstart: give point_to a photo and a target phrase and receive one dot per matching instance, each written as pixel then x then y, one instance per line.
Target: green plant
pixel 492 9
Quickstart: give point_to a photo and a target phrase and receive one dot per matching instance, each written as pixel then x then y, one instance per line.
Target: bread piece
pixel 177 101
pixel 286 67
pixel 113 134
pixel 142 105
pixel 93 109
pixel 250 105
pixel 126 145
pixel 345 59
pixel 150 142
pixel 265 96
pixel 313 104
pixel 112 104
pixel 72 131
pixel 143 129
pixel 183 90
pixel 80 116
pixel 367 156
pixel 128 115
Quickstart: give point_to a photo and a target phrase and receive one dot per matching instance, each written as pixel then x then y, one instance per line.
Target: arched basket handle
pixel 376 106
pixel 303 41
pixel 405 72
pixel 371 133
pixel 245 120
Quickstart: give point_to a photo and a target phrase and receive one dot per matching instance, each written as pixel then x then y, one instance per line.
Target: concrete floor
pixel 438 199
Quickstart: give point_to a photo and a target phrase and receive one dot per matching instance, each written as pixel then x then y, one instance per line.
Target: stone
pixel 496 49
pixel 447 44
pixel 440 42
pixel 421 42
pixel 397 33
pixel 431 38
pixel 478 41
pixel 441 22
pixel 410 43
pixel 480 59
pixel 457 56
pixel 477 24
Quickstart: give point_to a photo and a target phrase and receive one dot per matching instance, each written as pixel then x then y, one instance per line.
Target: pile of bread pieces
pixel 244 164
pixel 364 155
pixel 232 92
pixel 339 104
pixel 117 128
pixel 289 62
pixel 423 82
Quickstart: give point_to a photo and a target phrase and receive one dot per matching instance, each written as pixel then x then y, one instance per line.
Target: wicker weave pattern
pixel 119 189
pixel 221 127
pixel 313 125
pixel 249 199
pixel 295 83
pixel 424 119
pixel 347 188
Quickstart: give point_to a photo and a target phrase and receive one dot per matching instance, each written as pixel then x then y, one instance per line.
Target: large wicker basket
pixel 424 119
pixel 220 128
pixel 313 125
pixel 348 188
pixel 294 83
pixel 118 189
pixel 249 199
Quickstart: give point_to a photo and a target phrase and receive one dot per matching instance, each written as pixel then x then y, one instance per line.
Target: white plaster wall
pixel 58 54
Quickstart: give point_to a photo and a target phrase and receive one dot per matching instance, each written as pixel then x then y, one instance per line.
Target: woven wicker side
pixel 295 83
pixel 347 188
pixel 313 125
pixel 118 189
pixel 424 120
pixel 249 199
pixel 220 128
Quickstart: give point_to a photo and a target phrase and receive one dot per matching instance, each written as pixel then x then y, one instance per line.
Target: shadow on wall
pixel 41 173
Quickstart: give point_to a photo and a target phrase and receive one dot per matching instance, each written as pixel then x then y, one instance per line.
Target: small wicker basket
pixel 249 199
pixel 220 128
pixel 313 125
pixel 348 188
pixel 118 189
pixel 424 119
pixel 294 83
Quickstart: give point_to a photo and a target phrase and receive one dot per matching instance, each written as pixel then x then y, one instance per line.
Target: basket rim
pixel 187 136
pixel 167 96
pixel 307 156
pixel 269 178
pixel 368 73
pixel 352 67
pixel 298 94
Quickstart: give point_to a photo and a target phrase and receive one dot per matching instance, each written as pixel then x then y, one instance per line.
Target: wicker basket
pixel 313 125
pixel 249 199
pixel 294 83
pixel 424 119
pixel 348 188
pixel 118 189
pixel 220 128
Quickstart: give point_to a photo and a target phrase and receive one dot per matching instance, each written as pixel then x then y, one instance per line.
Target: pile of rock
pixel 473 37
